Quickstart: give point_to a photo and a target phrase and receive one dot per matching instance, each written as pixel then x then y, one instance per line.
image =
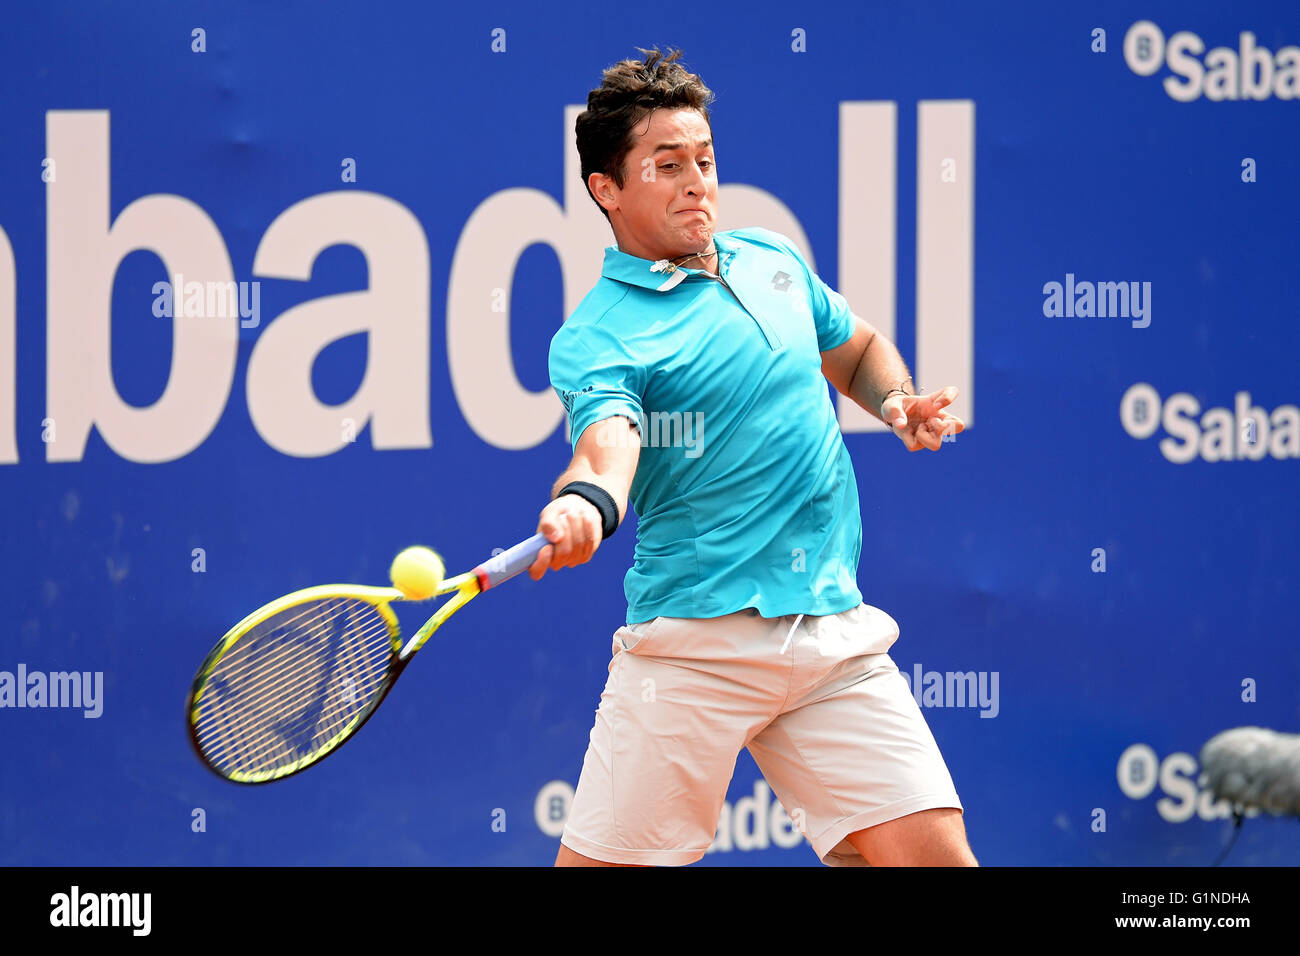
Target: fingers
pixel 907 435
pixel 541 562
pixel 928 433
pixel 919 421
pixel 943 398
pixel 898 410
pixel 928 406
pixel 892 412
pixel 572 525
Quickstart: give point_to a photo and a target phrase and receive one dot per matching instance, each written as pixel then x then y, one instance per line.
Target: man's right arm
pixel 606 455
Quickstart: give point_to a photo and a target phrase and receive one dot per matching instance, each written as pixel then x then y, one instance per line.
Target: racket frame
pixel 466 586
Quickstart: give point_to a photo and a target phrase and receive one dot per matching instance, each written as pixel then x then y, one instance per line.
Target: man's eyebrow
pixel 662 146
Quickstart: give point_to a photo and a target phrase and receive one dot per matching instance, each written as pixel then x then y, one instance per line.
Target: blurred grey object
pixel 1254 767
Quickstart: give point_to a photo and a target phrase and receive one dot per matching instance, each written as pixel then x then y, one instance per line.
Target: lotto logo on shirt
pixel 567 397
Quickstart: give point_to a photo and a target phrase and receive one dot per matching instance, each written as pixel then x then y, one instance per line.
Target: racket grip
pixel 504 566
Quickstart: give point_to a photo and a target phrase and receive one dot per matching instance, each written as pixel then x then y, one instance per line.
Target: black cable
pixel 1238 816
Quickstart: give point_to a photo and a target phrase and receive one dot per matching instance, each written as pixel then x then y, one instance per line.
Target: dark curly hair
pixel 629 91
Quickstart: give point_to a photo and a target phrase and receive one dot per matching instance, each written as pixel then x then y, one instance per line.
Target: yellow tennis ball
pixel 417 572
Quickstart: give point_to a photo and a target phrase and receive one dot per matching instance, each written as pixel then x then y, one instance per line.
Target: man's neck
pixel 707 261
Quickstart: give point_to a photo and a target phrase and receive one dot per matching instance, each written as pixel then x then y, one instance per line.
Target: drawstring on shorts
pixel 790 636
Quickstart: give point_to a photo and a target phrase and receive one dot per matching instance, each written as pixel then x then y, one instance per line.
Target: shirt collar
pixel 624 267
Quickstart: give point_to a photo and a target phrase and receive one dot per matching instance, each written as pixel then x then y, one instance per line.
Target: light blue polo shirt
pixel 744 492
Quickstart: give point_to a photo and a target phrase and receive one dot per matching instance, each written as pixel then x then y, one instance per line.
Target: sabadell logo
pixel 1249 72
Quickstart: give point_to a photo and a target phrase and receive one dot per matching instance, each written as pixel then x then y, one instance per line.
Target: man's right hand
pixel 573 526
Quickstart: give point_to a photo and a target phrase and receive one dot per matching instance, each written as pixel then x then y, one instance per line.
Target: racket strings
pixel 302 621
pixel 290 686
pixel 264 716
pixel 241 665
pixel 297 693
pixel 273 717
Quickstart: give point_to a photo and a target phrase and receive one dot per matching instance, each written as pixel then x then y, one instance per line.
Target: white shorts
pixel 819 703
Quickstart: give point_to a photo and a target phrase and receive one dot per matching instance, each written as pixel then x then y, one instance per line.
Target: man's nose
pixel 696 185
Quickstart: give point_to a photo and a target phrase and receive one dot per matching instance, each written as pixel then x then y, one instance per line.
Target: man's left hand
pixel 919 420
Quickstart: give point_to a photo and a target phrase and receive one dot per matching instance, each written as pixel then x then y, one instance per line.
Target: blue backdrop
pixel 1080 553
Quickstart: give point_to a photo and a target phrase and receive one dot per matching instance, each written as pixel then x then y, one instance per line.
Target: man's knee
pixel 567 857
pixel 934 837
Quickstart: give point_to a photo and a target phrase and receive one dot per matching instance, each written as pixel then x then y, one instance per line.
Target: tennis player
pixel 694 378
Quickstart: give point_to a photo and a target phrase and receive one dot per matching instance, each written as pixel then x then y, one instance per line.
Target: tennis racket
pixel 290 683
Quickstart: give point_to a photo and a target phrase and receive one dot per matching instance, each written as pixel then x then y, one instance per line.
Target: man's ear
pixel 602 187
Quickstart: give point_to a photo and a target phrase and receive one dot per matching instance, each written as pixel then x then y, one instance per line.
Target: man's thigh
pixel 854 750
pixel 680 701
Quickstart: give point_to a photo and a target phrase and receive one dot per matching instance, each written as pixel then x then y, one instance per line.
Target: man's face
pixel 668 204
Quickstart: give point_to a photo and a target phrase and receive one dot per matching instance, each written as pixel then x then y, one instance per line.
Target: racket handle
pixel 504 566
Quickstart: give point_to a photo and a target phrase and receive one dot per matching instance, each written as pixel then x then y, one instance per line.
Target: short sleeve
pixel 595 376
pixel 831 313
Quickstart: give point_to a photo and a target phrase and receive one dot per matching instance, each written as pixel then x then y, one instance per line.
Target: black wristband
pixel 599 497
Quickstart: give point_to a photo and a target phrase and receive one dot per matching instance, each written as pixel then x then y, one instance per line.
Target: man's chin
pixel 699 237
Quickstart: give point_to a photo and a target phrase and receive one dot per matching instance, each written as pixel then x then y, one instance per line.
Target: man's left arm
pixel 869 370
